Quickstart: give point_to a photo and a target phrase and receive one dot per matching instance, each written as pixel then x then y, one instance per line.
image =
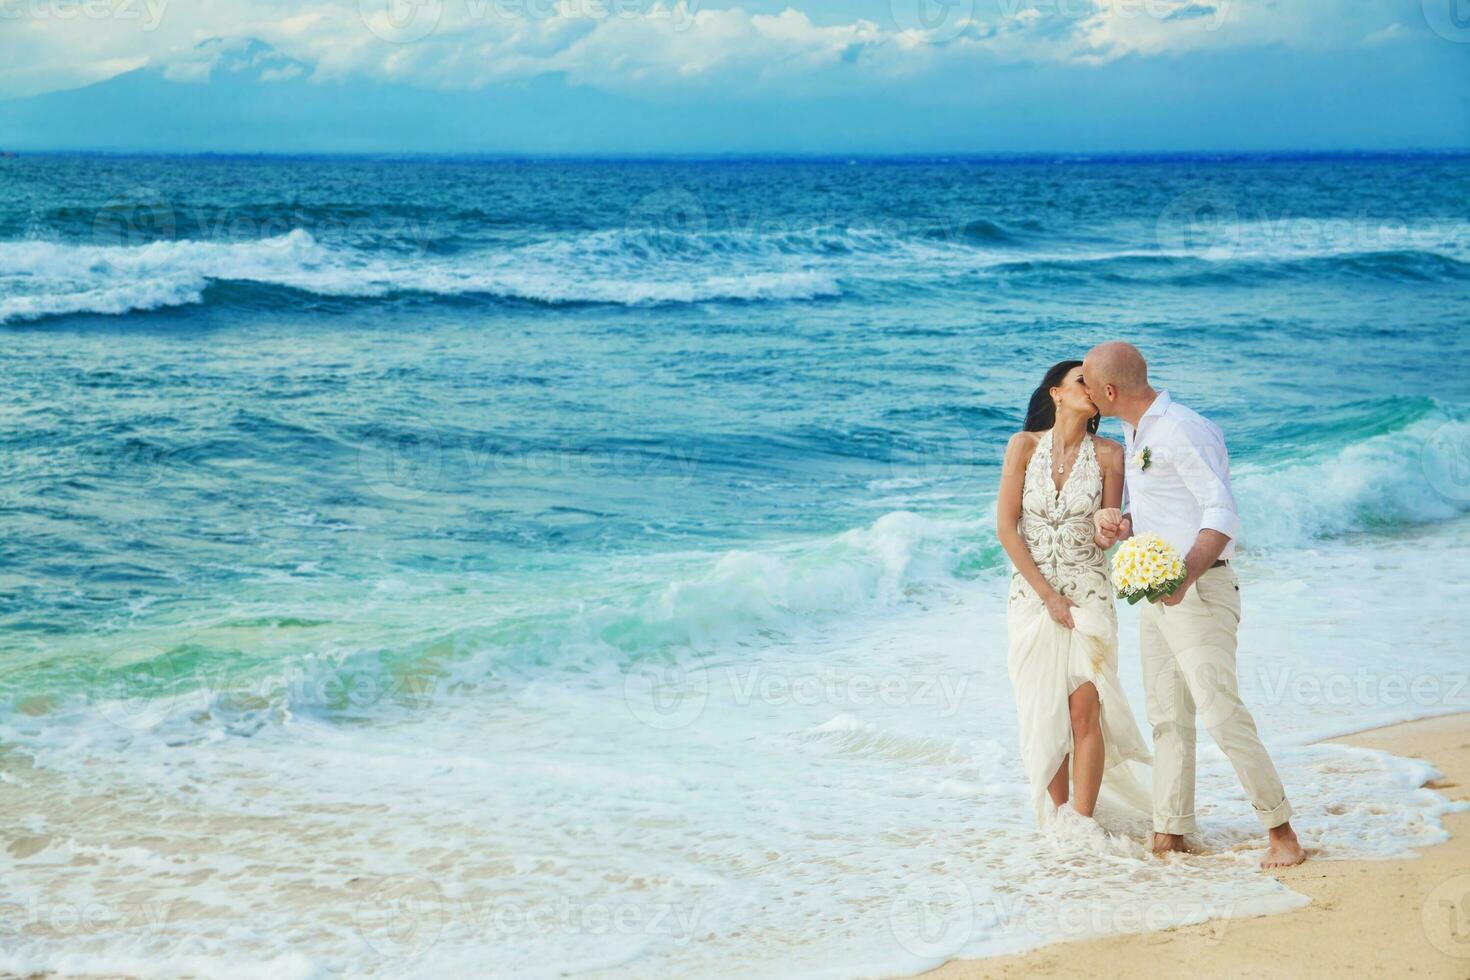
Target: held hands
pixel 1109 526
pixel 1060 608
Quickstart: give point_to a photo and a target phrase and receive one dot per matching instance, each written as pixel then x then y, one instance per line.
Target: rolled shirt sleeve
pixel 1128 436
pixel 1204 466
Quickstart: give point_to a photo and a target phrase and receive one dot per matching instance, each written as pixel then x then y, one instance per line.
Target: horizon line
pixel 917 156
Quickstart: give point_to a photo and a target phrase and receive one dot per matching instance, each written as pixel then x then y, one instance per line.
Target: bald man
pixel 1177 485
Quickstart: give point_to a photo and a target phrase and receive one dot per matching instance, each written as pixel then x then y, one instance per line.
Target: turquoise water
pixel 317 463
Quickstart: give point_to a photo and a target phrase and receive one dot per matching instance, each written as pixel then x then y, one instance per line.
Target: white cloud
pixel 1387 35
pixel 641 45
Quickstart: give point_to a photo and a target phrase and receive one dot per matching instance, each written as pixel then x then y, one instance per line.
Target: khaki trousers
pixel 1189 675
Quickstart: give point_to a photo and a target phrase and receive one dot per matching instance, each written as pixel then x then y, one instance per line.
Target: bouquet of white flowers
pixel 1147 567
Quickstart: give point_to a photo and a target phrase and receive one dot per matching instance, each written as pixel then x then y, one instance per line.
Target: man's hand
pixel 1201 558
pixel 1177 596
pixel 1107 526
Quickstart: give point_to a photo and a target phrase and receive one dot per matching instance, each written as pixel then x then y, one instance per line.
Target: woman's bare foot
pixel 1284 850
pixel 1164 843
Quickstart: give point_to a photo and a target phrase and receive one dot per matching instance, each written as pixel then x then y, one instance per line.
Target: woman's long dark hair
pixel 1041 414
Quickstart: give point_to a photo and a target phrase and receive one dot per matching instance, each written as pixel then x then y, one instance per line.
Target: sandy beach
pixel 1393 918
pixel 1396 918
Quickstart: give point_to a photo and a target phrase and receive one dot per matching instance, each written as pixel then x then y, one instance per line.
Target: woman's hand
pixel 1060 608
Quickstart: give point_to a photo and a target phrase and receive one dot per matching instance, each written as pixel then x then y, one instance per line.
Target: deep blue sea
pixel 595 559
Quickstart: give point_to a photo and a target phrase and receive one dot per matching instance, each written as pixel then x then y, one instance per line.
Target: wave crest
pixel 1413 475
pixel 651 264
pixel 53 279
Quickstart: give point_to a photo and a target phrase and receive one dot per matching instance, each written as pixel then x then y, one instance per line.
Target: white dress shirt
pixel 1186 487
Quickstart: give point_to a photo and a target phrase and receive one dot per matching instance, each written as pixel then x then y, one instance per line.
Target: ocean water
pixel 430 567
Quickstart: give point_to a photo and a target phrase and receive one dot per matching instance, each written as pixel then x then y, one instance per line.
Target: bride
pixel 1063 657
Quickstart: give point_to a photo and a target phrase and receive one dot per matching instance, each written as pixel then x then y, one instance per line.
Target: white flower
pixel 1145 566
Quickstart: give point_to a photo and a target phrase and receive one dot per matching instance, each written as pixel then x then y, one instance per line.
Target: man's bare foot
pixel 1164 843
pixel 1284 850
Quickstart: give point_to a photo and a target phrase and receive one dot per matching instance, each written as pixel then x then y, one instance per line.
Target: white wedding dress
pixel 1047 661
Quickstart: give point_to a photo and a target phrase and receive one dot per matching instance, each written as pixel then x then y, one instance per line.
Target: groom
pixel 1177 485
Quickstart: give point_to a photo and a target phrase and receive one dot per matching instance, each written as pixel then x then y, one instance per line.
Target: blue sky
pixel 871 75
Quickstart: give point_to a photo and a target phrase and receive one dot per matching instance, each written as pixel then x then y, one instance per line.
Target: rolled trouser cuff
pixel 1174 825
pixel 1276 816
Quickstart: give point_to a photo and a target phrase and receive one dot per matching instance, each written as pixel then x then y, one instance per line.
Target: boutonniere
pixel 1145 458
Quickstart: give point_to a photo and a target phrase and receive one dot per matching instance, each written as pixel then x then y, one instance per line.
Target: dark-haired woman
pixel 1075 724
